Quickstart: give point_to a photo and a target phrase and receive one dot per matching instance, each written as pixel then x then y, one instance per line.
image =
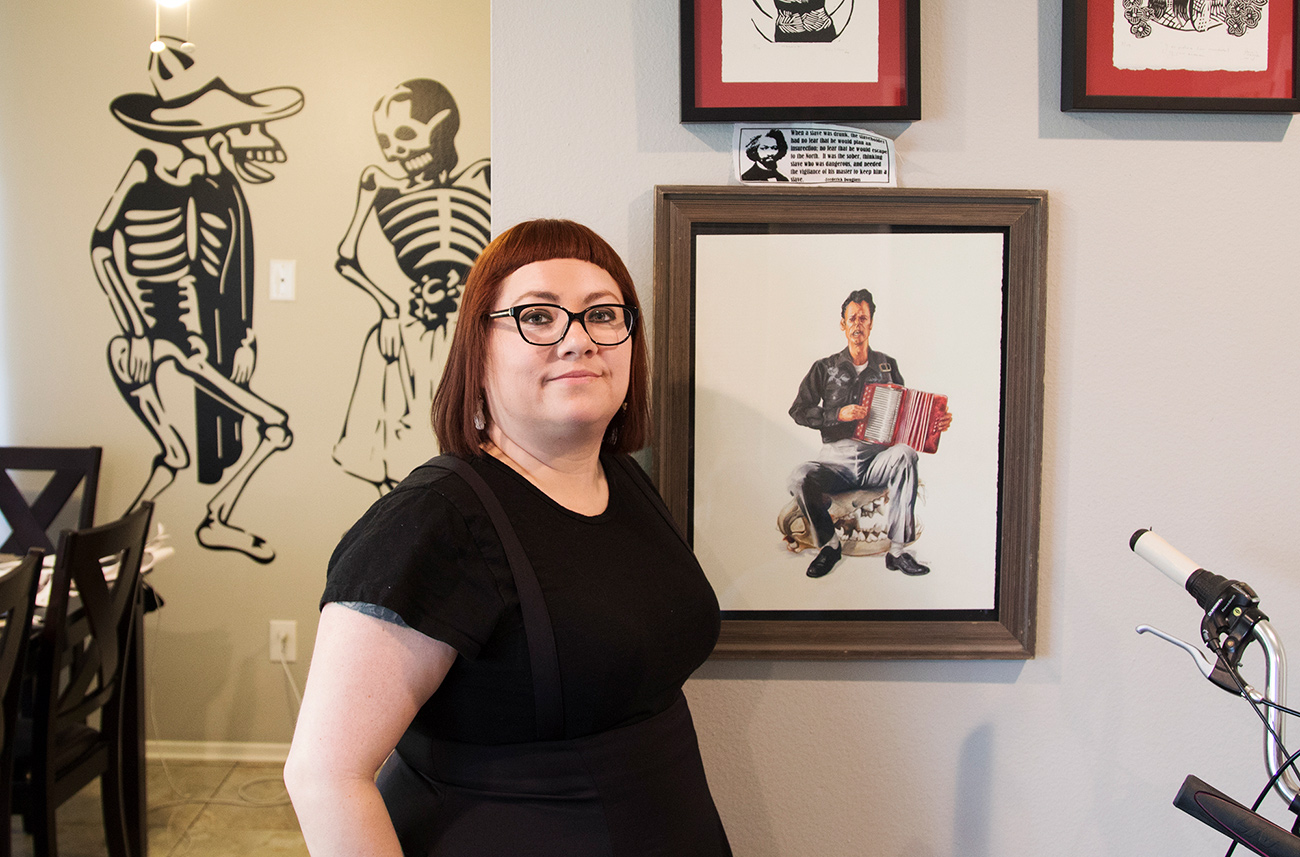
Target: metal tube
pixel 1287 785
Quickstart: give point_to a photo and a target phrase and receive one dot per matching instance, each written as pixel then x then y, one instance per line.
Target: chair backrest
pixel 17 595
pixel 31 522
pixel 79 669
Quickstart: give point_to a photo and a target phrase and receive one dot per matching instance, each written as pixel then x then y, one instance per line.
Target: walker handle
pixel 1210 806
pixel 1167 559
pixel 1206 587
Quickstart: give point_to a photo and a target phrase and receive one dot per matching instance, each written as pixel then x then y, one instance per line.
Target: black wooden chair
pixel 17 595
pixel 80 654
pixel 32 523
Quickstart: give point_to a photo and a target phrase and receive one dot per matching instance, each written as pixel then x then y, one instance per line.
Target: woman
pixel 535 702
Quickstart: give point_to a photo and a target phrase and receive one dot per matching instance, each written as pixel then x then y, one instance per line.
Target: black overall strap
pixel 542 657
pixel 642 481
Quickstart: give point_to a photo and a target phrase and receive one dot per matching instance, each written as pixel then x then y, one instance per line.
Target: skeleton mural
pixel 437 221
pixel 173 251
pixel 1198 15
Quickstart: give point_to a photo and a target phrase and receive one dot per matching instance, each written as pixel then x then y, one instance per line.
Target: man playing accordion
pixel 829 400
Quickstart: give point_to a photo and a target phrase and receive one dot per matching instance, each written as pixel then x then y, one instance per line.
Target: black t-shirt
pixel 632 612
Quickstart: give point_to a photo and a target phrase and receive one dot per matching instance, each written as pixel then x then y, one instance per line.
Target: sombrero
pixel 181 107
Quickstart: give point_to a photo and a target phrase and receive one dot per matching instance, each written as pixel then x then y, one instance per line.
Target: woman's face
pixel 558 394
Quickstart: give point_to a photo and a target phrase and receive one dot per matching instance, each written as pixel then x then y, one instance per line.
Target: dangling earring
pixel 480 422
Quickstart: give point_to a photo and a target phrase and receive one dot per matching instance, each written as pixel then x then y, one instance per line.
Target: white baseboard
pixel 217 751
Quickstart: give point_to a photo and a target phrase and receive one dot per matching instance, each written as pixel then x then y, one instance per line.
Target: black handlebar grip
pixel 1210 806
pixel 1206 587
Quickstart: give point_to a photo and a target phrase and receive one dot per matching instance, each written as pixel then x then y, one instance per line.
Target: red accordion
pixel 901 415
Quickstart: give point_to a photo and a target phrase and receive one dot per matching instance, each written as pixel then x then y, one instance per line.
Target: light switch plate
pixel 283 275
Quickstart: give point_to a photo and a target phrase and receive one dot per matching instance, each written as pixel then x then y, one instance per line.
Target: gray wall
pixel 1169 266
pixel 1170 255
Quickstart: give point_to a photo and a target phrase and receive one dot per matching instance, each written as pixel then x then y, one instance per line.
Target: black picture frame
pixel 682 214
pixel 706 98
pixel 1090 83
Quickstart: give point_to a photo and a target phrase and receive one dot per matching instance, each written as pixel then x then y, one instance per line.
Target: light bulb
pixel 156 46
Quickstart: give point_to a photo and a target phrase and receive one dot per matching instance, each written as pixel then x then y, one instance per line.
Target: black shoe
pixel 824 561
pixel 906 563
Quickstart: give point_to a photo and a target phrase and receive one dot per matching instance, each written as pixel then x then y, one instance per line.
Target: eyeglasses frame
pixel 514 311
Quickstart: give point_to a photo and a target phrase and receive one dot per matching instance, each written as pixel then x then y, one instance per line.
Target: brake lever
pixel 1211 669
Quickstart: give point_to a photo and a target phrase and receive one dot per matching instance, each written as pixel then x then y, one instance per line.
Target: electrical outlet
pixel 284 640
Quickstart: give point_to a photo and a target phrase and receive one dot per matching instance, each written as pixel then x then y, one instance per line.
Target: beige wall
pixel 64 153
pixel 1170 266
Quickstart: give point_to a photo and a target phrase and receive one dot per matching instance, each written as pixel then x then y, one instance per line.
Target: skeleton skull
pixel 859 518
pixel 416 126
pixel 247 150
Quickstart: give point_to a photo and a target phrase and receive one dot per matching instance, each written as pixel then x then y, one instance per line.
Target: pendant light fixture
pixel 157 44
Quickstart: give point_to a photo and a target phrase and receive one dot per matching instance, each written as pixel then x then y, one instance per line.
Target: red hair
pixel 460 393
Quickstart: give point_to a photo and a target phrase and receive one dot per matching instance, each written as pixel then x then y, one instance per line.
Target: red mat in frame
pixel 1090 79
pixel 706 97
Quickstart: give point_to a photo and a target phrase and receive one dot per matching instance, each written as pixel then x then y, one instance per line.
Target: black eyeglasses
pixel 547 324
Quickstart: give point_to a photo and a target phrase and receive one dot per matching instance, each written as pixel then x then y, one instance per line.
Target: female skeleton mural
pixel 437 220
pixel 173 251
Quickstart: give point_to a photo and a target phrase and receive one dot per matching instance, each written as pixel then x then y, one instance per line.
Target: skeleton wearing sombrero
pixel 173 251
pixel 437 220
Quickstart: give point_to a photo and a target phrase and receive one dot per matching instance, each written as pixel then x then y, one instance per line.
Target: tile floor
pixel 214 814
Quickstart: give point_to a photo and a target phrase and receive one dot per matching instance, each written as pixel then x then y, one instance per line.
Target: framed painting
pixel 1194 56
pixel 800 60
pixel 829 530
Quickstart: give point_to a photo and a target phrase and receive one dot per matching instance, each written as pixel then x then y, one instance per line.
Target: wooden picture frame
pixel 734 69
pixel 832 231
pixel 1161 56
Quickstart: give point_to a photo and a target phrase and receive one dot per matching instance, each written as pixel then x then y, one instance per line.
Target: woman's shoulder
pixel 431 503
pixel 623 462
pixel 625 469
pixel 434 473
pixel 419 551
pixel 437 482
pixel 628 478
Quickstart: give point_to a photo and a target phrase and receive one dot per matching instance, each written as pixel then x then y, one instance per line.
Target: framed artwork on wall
pixel 776 311
pixel 1196 56
pixel 800 60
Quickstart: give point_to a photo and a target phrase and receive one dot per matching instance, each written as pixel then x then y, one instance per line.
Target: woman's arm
pixel 368 679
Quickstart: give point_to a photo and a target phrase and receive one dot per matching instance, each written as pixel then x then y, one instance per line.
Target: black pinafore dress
pixel 635 791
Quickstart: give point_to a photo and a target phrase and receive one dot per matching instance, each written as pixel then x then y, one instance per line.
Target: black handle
pixel 1207 587
pixel 1210 806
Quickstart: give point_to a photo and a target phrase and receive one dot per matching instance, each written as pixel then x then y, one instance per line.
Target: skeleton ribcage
pixel 165 245
pixel 445 224
pixel 816 21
